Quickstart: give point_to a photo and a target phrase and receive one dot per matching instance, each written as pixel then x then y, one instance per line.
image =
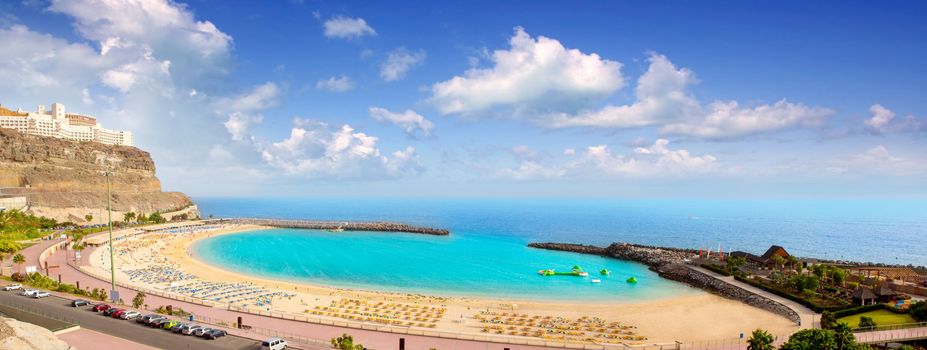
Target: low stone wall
pixel 685 274
pixel 670 263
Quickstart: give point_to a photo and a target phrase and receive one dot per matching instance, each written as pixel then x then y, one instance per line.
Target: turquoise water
pixel 486 252
pixel 464 265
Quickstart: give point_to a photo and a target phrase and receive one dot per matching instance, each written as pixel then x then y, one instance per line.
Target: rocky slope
pixel 65 180
pixel 16 335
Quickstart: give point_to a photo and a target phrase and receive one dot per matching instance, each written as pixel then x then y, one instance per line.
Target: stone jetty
pixel 343 226
pixel 673 264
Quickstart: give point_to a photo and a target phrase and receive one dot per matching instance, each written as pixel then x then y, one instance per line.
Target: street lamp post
pixel 109 209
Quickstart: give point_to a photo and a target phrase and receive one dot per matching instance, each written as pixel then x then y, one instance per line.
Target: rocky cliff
pixel 65 180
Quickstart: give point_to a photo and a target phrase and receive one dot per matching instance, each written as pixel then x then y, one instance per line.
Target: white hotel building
pixel 57 123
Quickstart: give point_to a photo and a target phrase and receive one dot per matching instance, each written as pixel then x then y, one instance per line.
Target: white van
pixel 273 344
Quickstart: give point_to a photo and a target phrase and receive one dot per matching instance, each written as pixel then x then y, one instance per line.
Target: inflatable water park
pixel 578 272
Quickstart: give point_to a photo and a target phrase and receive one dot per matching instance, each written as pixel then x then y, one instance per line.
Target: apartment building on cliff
pixel 57 123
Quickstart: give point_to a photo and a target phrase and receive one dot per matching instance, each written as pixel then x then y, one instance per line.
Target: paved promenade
pixel 808 317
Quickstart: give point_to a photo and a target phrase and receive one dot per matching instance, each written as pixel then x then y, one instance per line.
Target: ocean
pixel 485 255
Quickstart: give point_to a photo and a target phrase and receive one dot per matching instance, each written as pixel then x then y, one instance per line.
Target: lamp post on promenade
pixel 109 208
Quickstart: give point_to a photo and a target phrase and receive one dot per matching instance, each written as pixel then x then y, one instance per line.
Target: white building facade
pixel 57 123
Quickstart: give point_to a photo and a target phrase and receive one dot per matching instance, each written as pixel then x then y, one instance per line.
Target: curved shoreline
pixel 668 319
pixel 189 259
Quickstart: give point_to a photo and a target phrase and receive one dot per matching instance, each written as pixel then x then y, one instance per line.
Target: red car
pixel 118 313
pixel 100 307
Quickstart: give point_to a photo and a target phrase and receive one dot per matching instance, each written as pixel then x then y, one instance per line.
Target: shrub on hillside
pixel 18 277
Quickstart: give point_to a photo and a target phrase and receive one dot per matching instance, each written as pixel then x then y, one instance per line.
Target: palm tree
pixel 844 336
pixel 760 340
pixel 128 217
pixel 88 217
pixel 78 247
pixel 19 259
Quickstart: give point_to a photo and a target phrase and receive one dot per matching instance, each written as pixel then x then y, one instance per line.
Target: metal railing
pixel 68 322
pixel 890 327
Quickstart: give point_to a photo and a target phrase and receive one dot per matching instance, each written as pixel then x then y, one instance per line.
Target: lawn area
pixel 881 318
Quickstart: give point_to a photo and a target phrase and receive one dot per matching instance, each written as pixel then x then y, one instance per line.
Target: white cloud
pixel 162 26
pixel 532 74
pixel 347 28
pixel 335 84
pixel 728 120
pixel 85 97
pixel 410 121
pixel 599 162
pixel 314 151
pixel 878 153
pixel 239 124
pixel 242 110
pixel 399 62
pixel 663 100
pixel 530 170
pixel 661 96
pixel 260 97
pixel 883 122
pixel 147 70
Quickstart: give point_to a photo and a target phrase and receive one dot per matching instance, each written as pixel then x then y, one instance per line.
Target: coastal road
pixel 157 338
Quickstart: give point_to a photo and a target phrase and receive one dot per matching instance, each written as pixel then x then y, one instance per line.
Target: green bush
pixel 918 311
pixel 794 297
pixel 866 322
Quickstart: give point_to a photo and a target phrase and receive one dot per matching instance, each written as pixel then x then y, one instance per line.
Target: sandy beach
pixel 689 318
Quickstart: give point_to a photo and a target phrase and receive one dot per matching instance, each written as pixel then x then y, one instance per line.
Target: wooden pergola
pixel 894 273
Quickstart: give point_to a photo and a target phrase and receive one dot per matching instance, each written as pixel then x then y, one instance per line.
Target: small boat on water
pixel 596 280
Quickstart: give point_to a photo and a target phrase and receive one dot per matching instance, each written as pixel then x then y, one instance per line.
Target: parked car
pixel 29 292
pixel 14 286
pixel 110 311
pixel 202 331
pixel 128 315
pixel 153 320
pixel 146 318
pixel 100 307
pixel 170 324
pixel 118 313
pixel 214 334
pixel 159 323
pixel 191 329
pixel 181 327
pixel 79 303
pixel 274 344
pixel 41 295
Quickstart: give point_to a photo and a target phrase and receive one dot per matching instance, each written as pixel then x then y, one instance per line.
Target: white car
pixel 191 329
pixel 201 331
pixel 40 295
pixel 274 344
pixel 13 286
pixel 29 292
pixel 128 315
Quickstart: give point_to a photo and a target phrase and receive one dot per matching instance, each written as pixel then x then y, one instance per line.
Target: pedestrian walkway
pixel 808 317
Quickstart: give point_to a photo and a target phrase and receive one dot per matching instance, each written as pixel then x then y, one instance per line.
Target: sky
pixel 630 99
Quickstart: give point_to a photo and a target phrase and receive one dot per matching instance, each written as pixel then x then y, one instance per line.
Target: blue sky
pixel 600 99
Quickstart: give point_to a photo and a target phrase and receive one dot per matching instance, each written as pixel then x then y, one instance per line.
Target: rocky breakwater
pixel 672 263
pixel 346 226
pixel 64 180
